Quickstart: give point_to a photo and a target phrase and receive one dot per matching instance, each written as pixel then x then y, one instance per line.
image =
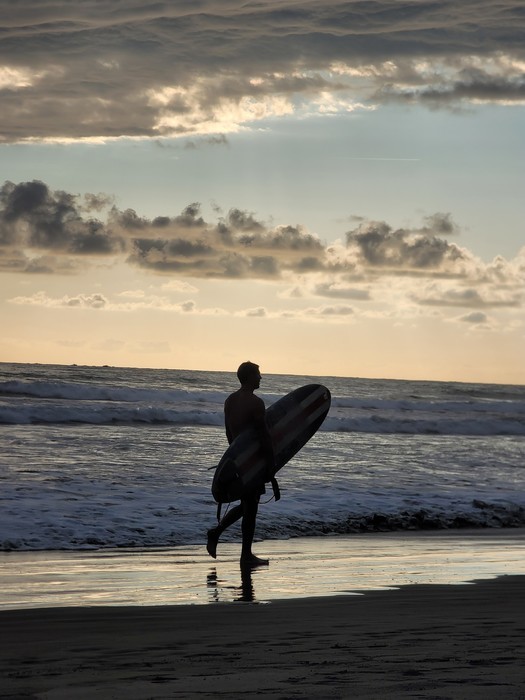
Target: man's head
pixel 248 374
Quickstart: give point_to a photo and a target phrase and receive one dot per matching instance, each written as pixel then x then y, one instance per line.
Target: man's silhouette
pixel 243 410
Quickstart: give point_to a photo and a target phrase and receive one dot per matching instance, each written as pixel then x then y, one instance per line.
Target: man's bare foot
pixel 213 540
pixel 251 561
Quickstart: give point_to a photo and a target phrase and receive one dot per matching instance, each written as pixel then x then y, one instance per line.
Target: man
pixel 243 410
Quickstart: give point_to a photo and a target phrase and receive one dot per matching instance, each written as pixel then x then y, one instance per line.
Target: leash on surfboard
pixel 276 496
pixel 272 498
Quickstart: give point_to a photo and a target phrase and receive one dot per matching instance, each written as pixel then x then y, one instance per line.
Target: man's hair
pixel 246 370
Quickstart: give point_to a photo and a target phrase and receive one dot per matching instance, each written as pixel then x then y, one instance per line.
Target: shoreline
pixel 432 641
pixel 309 567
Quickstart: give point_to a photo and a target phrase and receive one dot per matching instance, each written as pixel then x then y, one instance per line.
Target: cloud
pixel 180 287
pixel 80 301
pixel 33 217
pixel 82 70
pixel 340 313
pixel 340 290
pixel 477 318
pixel 259 312
pixel 469 80
pixel 470 297
pixel 237 246
pixel 133 294
pixel 440 224
pixel 99 302
pixel 334 311
pixel 134 304
pixel 377 245
pixel 53 232
pixel 214 140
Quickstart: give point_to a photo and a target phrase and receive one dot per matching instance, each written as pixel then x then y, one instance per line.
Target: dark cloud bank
pixel 88 69
pixel 45 231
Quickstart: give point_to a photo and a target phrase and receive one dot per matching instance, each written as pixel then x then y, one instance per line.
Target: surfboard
pixel 292 420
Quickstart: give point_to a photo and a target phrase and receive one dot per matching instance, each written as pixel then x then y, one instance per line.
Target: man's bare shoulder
pixel 243 397
pixel 231 398
pixel 241 408
pixel 256 401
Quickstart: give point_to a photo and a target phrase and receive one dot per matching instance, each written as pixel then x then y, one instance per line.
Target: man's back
pixel 243 410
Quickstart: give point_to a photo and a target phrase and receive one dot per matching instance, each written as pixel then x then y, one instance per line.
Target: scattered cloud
pixel 259 312
pixel 80 301
pixel 53 232
pixel 179 287
pixel 470 297
pixel 332 311
pixel 102 304
pixel 476 318
pixel 496 78
pixel 82 70
pixel 133 294
pixel 32 217
pixel 377 245
pixel 43 230
pixel 340 290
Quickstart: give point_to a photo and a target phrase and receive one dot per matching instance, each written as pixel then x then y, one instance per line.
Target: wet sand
pixel 435 636
pixel 302 567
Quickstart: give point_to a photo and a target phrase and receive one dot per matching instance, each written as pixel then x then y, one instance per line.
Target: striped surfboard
pixel 292 421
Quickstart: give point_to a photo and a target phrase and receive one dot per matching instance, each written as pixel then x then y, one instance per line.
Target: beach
pixel 418 641
pixel 365 635
pixel 397 553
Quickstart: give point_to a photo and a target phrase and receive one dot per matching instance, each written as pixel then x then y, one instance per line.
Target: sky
pixel 324 188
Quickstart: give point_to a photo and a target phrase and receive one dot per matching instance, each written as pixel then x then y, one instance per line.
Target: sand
pixel 299 568
pixel 442 640
pixel 419 641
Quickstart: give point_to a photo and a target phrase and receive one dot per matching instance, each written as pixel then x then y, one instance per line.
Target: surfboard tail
pixel 226 477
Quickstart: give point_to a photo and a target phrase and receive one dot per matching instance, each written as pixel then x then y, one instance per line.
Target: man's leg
pixel 213 535
pixel 250 506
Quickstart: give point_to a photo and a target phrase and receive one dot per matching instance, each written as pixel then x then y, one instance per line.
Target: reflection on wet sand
pixel 299 568
pixel 222 592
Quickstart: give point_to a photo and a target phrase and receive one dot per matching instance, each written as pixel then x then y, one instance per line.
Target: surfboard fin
pixel 276 489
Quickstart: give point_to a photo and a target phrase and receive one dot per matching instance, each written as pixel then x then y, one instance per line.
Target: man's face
pixel 257 379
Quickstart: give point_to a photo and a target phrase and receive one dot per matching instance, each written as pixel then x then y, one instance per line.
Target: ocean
pixel 105 457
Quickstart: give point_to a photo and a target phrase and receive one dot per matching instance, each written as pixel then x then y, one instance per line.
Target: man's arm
pixel 229 434
pixel 264 435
